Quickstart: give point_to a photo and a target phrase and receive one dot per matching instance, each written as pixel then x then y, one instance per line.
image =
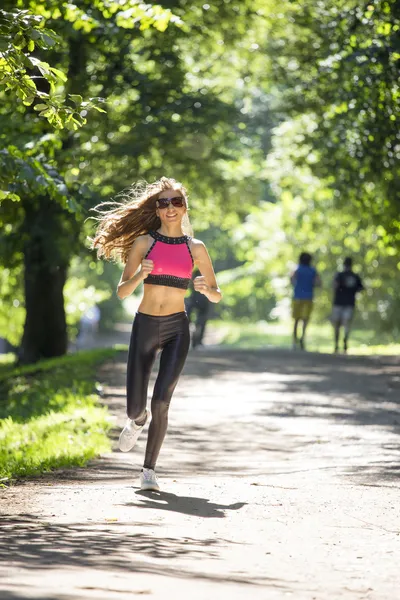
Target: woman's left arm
pixel 206 283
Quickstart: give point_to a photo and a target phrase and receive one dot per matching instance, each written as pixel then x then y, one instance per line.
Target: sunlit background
pixel 281 119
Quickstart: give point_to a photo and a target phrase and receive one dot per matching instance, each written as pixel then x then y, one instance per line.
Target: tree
pixel 339 63
pixel 160 115
pixel 306 218
pixel 45 212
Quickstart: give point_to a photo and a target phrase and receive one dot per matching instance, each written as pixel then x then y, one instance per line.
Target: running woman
pixel 149 233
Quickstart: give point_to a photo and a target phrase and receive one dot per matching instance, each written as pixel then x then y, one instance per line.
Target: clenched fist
pixel 147 267
pixel 200 285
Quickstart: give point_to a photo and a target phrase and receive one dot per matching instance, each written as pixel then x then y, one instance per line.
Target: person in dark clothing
pixel 196 306
pixel 346 285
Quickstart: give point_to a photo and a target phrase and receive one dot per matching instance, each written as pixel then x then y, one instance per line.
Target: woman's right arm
pixel 131 277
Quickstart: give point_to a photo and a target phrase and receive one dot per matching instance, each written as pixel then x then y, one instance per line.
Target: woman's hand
pixel 200 285
pixel 147 267
pixel 203 263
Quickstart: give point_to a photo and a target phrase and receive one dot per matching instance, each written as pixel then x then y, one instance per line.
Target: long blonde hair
pixel 120 223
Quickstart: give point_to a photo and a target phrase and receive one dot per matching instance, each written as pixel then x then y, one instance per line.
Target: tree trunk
pixel 45 330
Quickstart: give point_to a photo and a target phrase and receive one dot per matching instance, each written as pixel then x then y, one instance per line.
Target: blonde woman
pixel 151 234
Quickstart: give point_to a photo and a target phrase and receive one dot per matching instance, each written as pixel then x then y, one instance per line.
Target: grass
pixel 49 414
pixel 319 337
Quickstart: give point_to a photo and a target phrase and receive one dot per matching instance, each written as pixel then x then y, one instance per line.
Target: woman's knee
pixel 136 413
pixel 160 405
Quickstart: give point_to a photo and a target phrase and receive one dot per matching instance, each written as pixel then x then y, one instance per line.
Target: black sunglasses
pixel 165 202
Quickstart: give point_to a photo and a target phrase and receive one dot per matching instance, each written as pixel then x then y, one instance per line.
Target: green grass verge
pixel 49 414
pixel 319 337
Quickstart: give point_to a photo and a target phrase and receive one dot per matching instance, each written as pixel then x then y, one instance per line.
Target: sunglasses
pixel 165 202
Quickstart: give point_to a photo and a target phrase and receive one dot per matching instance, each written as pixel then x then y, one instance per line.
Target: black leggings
pixel 170 334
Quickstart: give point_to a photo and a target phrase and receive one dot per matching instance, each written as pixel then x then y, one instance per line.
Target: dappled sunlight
pixel 280 471
pixel 268 456
pixel 96 549
pixel 264 411
pixel 267 412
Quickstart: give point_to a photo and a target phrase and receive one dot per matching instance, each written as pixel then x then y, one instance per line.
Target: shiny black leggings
pixel 150 334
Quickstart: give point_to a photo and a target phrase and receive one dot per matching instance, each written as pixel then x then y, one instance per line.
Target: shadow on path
pixel 199 507
pixel 38 545
pixel 368 386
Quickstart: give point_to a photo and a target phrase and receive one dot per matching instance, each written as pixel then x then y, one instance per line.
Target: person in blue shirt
pixel 304 279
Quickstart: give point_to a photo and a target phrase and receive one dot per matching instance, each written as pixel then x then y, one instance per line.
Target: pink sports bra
pixel 173 261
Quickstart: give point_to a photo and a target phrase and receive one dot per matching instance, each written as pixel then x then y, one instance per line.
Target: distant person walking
pixel 346 285
pixel 304 279
pixel 197 306
pixel 88 327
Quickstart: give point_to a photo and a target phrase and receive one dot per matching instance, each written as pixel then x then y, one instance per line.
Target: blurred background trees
pixel 281 119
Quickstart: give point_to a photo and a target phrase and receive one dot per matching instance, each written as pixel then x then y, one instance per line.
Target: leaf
pixel 76 98
pixel 35 35
pixel 72 204
pixel 59 73
pixel 5 194
pixel 72 125
pixel 40 107
pixel 46 113
pixel 48 40
pixel 28 100
pixel 19 40
pixel 28 62
pixel 4 44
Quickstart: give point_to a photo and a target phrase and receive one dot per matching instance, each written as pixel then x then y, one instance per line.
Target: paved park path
pixel 280 479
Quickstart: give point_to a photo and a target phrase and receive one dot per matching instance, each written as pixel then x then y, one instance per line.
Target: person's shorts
pixel 301 309
pixel 342 314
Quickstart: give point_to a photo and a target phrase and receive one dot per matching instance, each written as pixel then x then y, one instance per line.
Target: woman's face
pixel 167 211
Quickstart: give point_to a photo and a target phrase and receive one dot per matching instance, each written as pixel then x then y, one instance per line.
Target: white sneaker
pixel 148 480
pixel 130 434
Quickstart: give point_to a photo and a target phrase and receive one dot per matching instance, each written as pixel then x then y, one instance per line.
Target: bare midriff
pixel 161 300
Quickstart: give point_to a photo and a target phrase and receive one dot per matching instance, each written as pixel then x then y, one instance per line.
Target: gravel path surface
pixel 280 478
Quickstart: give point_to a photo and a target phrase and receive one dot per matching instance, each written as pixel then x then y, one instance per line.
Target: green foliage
pixel 332 163
pixel 172 107
pixel 7 359
pixel 79 297
pixel 306 217
pixel 49 416
pixel 52 441
pixel 12 313
pixel 20 34
pixel 338 62
pixel 97 282
pixel 203 92
pixel 26 174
